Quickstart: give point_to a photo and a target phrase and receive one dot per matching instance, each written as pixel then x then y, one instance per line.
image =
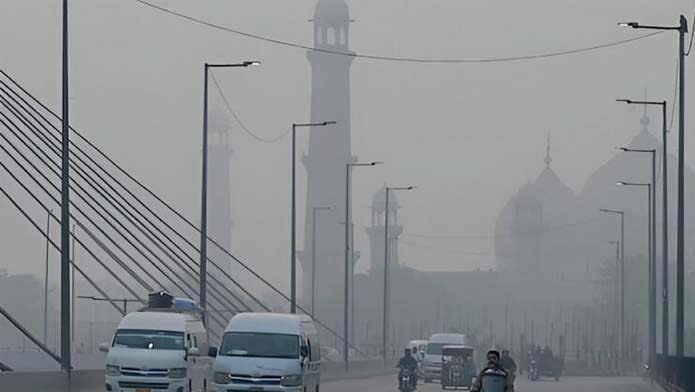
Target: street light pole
pixel 622 280
pixel 652 269
pixel 45 280
pixel 65 343
pixel 124 300
pixel 615 283
pixel 313 257
pixel 204 190
pixel 385 326
pixel 652 255
pixel 293 236
pixel 682 29
pixel 348 262
pixel 664 229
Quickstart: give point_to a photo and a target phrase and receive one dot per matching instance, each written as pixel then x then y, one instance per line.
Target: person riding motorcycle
pixel 410 363
pixel 508 364
pixel 493 363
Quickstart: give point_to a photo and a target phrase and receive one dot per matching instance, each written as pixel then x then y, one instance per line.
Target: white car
pixel 268 352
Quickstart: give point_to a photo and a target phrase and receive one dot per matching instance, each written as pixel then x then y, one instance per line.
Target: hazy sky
pixel 467 135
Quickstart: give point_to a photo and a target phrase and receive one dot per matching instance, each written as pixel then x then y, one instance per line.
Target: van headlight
pixel 113 370
pixel 222 378
pixel 177 373
pixel 291 381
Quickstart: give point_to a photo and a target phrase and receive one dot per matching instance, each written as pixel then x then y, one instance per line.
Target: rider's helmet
pixel 407 351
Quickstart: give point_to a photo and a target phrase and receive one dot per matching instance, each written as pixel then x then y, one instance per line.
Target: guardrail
pixel 676 373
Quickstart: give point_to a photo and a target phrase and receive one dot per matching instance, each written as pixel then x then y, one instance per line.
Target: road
pixel 569 384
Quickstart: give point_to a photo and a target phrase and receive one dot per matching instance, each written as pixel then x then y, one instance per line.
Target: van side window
pixel 195 341
pixel 188 340
pixel 311 354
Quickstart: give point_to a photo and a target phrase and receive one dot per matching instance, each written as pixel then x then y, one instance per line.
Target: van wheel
pixel 190 385
pixel 317 387
pixel 205 385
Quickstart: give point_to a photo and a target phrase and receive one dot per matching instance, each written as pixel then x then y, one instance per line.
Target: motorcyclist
pixel 547 358
pixel 493 363
pixel 410 363
pixel 508 364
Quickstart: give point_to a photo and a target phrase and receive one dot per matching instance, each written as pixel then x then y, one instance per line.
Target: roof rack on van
pixel 162 301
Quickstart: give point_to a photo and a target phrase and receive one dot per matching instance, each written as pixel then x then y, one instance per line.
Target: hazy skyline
pixel 469 136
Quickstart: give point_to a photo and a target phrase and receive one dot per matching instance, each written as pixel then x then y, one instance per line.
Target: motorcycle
pixel 533 370
pixel 407 381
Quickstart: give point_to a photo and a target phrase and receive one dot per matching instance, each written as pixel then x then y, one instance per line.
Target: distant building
pixel 377 232
pixel 532 231
pixel 329 152
pixel 219 189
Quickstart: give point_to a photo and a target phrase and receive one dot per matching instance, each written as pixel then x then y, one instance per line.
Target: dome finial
pixel 548 159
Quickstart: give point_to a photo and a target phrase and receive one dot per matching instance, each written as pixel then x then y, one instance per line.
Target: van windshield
pixel 435 348
pixel 149 339
pixel 260 345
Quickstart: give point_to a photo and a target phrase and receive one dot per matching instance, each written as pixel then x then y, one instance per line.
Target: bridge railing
pixel 676 372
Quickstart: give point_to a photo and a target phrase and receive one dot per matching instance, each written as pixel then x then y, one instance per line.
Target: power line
pixel 692 34
pixel 238 120
pixel 391 58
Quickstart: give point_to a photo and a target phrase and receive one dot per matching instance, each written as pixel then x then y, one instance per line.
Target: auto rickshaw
pixel 458 367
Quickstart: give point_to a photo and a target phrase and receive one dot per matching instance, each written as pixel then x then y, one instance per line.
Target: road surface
pixel 568 384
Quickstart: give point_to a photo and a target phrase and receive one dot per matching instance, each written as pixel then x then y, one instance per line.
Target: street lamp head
pixel 628 101
pixel 621 183
pixel 622 148
pixel 376 163
pixel 328 123
pixel 251 63
pixel 410 188
pixel 634 25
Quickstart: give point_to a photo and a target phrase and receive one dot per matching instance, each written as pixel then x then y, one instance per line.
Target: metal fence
pixel 676 372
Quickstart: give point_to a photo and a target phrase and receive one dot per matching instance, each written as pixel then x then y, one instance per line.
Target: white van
pixel 157 350
pixel 418 348
pixel 268 352
pixel 431 367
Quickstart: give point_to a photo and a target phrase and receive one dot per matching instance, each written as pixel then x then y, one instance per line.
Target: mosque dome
pixel 525 219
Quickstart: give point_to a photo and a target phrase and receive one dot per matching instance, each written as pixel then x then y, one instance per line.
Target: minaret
pixel 220 217
pixel 329 152
pixel 376 232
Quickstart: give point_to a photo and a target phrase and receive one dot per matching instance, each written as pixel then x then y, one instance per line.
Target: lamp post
pixel 652 265
pixel 313 257
pixel 622 279
pixel 664 229
pixel 204 190
pixel 615 283
pixel 45 279
pixel 124 300
pixel 385 326
pixel 293 239
pixel 348 262
pixel 652 302
pixel 682 29
pixel 65 343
